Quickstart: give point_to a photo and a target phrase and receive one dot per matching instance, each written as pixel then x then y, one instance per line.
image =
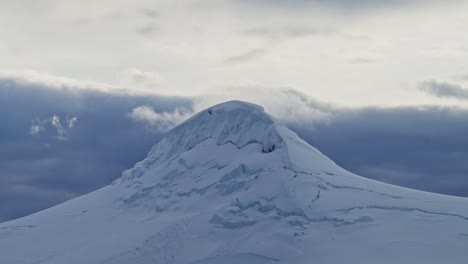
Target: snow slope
pixel 233 185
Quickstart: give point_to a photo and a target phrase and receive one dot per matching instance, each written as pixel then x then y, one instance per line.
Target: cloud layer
pixel 63 129
pixel 444 89
pixel 39 168
pixel 421 148
pixel 349 53
pixel 158 121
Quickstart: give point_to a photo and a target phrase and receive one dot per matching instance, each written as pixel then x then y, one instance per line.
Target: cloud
pixel 159 121
pixel 288 31
pixel 148 29
pixel 150 25
pixel 40 171
pixel 133 82
pixel 72 122
pixel 444 90
pixel 36 129
pixel 247 56
pixel 133 77
pixel 150 13
pixel 63 132
pixel 421 148
pixel 273 35
pixel 464 77
pixel 294 107
pixel 361 60
pixel 286 104
pixel 45 80
pixel 353 6
pixel 188 55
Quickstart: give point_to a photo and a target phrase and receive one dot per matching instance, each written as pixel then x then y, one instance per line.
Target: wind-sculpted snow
pixel 233 185
pixel 236 123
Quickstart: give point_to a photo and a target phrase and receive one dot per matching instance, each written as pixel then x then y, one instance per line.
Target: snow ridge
pixel 235 122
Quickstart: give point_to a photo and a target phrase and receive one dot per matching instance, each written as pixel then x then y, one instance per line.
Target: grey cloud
pixel 361 60
pixel 348 6
pixel 460 77
pixel 417 148
pixel 39 171
pixel 273 35
pixel 150 13
pixel 288 31
pixel 444 90
pixel 301 31
pixel 247 56
pixel 148 29
pixel 71 122
pixel 62 128
pixel 151 26
pixel 137 77
pixel 159 121
pixel 37 127
pixel 307 100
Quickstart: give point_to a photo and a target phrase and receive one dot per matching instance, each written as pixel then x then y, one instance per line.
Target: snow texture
pixel 234 185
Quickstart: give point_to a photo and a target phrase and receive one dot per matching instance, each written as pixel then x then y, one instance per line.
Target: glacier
pixel 234 185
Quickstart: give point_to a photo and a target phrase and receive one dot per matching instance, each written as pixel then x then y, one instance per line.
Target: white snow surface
pixel 234 185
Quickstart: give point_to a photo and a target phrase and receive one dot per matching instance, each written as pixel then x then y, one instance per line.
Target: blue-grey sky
pixel 87 87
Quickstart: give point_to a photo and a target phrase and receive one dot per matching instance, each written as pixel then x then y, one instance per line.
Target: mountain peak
pixel 235 122
pixel 238 124
pixel 232 185
pixel 235 105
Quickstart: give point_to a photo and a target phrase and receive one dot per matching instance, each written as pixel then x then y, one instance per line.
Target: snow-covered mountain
pixel 233 185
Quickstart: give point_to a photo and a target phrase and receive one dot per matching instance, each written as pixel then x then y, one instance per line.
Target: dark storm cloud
pixel 39 170
pixel 444 89
pixel 424 149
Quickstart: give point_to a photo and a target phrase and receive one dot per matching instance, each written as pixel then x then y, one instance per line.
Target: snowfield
pixel 234 185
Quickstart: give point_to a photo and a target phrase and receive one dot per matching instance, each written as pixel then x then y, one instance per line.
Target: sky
pixel 87 87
